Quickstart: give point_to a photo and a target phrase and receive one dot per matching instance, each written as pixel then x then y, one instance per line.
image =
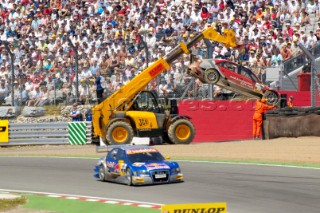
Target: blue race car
pixel 136 165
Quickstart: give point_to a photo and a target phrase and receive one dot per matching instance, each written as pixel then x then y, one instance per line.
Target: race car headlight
pixel 142 172
pixel 175 170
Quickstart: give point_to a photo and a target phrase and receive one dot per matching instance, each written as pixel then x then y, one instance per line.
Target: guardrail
pixel 51 133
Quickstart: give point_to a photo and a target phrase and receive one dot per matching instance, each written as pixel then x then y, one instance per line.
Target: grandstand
pixel 110 38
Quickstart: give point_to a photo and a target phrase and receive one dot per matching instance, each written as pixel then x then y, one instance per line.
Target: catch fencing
pixel 50 133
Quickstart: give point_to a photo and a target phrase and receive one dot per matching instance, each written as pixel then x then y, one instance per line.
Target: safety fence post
pixel 75 49
pixel 209 55
pixel 313 74
pixel 6 44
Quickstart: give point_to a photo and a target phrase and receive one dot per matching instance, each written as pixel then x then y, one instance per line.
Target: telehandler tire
pixel 119 133
pixel 166 139
pixel 181 131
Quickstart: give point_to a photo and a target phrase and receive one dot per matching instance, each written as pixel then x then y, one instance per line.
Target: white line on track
pixel 253 164
pixel 191 161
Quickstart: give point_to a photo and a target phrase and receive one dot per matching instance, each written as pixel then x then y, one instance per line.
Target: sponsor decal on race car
pixel 242 82
pixel 120 168
pixel 152 166
pixel 110 164
pixel 135 151
pixel 138 164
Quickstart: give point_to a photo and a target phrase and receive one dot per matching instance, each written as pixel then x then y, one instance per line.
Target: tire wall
pixel 292 122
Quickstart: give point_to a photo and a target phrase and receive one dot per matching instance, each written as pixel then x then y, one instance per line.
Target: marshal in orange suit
pixel 290 102
pixel 261 107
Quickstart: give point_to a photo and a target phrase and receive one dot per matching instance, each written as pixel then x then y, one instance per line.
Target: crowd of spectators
pixel 109 36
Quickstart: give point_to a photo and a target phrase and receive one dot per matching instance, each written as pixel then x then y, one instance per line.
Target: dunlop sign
pixel 4 131
pixel 195 208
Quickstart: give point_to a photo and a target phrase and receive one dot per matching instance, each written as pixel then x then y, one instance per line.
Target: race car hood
pixel 207 64
pixel 152 165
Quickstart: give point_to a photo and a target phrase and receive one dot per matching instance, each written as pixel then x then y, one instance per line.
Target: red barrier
pixel 304 81
pixel 219 120
pixel 302 99
pixel 227 120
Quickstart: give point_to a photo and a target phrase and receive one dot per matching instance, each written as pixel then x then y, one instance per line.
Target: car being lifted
pixel 233 77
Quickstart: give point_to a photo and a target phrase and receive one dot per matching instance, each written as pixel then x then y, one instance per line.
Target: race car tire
pixel 211 76
pixel 272 97
pixel 129 177
pixel 181 131
pixel 119 132
pixel 102 173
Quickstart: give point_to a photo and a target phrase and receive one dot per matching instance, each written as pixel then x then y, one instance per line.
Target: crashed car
pixel 233 77
pixel 137 165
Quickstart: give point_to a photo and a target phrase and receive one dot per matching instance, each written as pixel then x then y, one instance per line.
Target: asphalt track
pixel 245 188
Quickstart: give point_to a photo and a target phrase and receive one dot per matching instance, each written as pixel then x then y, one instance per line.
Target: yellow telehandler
pixel 133 111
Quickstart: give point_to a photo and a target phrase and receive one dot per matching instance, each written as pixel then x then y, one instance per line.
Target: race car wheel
pixel 272 97
pixel 129 177
pixel 102 173
pixel 211 76
pixel 119 132
pixel 181 131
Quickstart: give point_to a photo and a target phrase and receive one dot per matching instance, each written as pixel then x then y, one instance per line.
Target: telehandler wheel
pixel 211 76
pixel 119 132
pixel 181 131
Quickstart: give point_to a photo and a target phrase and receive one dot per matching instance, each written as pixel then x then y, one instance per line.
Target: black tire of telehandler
pixel 166 139
pixel 173 129
pixel 115 125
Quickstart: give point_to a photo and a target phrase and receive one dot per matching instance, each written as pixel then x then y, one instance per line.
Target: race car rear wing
pixel 107 148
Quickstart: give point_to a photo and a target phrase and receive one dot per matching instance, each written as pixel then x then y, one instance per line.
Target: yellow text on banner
pixel 195 208
pixel 4 131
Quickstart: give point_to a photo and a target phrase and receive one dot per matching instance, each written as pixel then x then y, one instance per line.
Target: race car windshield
pixel 145 157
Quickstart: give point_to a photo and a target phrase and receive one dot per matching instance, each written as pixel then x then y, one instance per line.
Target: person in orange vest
pixel 290 102
pixel 261 108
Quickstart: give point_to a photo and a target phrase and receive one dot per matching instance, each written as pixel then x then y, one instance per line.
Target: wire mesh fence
pixel 62 86
pixel 316 94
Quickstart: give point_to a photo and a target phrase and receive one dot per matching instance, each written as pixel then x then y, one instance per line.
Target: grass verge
pixel 7 204
pixel 75 206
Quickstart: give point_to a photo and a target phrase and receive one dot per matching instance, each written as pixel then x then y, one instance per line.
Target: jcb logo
pixel 143 122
